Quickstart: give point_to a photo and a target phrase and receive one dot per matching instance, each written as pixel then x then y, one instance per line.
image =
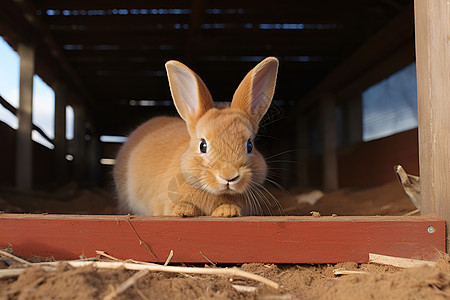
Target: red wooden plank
pixel 235 240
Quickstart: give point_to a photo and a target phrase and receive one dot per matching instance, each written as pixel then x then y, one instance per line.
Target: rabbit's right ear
pixel 190 95
pixel 254 94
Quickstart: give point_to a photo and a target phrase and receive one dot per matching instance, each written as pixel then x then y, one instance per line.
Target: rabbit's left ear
pixel 254 94
pixel 190 95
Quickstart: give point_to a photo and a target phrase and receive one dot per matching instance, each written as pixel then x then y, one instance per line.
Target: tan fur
pixel 161 171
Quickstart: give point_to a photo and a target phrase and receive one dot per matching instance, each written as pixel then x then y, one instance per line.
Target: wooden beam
pixel 433 94
pixel 7 105
pixel 291 50
pixel 24 144
pixel 224 240
pixel 111 4
pixel 225 36
pixel 253 5
pixel 79 143
pixel 392 63
pixel 13 110
pixel 301 132
pixel 194 34
pixel 93 156
pixel 29 11
pixel 60 131
pixel 387 40
pixel 353 123
pixel 330 180
pixel 248 21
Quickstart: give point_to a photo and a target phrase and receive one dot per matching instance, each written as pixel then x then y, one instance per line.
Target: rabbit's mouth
pixel 234 184
pixel 229 189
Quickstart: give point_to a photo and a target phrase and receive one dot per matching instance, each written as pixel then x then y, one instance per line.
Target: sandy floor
pixel 388 199
pixel 297 281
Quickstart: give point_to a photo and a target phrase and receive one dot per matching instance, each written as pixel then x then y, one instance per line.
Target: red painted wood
pixel 235 240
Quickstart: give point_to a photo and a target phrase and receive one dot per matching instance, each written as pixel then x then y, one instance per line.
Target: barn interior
pixel 343 112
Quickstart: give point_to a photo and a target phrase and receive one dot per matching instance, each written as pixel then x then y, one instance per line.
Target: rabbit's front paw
pixel 186 210
pixel 227 210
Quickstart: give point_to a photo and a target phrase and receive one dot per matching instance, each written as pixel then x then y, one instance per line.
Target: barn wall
pixel 7 155
pixel 108 150
pixel 43 162
pixel 44 166
pixel 372 163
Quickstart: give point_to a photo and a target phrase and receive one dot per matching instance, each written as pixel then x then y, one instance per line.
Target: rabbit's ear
pixel 256 90
pixel 190 95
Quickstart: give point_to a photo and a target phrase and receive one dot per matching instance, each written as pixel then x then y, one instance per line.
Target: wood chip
pixel 399 261
pixel 244 288
pixel 348 272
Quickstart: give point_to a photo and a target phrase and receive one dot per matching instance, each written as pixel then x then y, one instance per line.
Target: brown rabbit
pixel 204 163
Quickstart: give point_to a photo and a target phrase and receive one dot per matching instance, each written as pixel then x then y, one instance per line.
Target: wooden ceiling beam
pixel 150 59
pixel 13 26
pixel 155 62
pixel 211 37
pixel 29 11
pixel 194 34
pixel 107 93
pixel 125 74
pixel 128 22
pixel 87 38
pixel 111 4
pixel 392 36
pixel 116 22
pixel 254 5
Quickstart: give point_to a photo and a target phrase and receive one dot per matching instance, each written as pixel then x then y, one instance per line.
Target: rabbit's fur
pixel 204 163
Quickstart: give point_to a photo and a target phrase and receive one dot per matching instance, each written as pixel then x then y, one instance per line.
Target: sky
pixel 9 82
pixel 43 98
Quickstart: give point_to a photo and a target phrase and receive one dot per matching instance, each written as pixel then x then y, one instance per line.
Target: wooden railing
pixel 13 110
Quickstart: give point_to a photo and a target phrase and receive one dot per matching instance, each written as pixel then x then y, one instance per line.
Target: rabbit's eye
pixel 203 146
pixel 249 146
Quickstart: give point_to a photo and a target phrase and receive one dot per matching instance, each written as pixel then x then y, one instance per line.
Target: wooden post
pixel 353 121
pixel 60 131
pixel 24 144
pixel 93 158
pixel 302 150
pixel 432 20
pixel 329 142
pixel 79 148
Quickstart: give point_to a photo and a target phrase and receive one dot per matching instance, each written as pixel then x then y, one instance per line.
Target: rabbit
pixel 204 163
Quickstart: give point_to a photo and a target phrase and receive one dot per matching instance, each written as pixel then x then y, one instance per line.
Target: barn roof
pixel 113 52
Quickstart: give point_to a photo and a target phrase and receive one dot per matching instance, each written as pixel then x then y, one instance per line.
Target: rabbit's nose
pixel 232 179
pixel 229 179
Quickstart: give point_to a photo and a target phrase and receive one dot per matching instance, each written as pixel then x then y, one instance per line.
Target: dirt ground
pixel 297 281
pixel 388 199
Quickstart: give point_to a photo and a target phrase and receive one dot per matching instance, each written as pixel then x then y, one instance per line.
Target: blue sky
pixel 43 97
pixel 9 81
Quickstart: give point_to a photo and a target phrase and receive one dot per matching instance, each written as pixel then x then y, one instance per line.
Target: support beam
pixel 79 151
pixel 385 42
pixel 60 131
pixel 353 123
pixel 195 29
pixel 93 157
pixel 24 144
pixel 301 132
pixel 433 93
pixel 29 9
pixel 329 142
